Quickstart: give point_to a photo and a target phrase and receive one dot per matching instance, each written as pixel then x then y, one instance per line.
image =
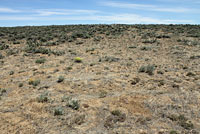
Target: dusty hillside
pixel 100 79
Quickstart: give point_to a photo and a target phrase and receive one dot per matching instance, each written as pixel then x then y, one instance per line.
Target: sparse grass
pixel 106 88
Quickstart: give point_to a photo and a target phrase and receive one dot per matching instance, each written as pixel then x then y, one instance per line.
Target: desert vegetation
pixel 100 79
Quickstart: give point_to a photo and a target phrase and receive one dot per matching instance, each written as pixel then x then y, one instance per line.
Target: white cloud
pixel 49 12
pixel 108 19
pixel 145 7
pixel 127 19
pixel 17 18
pixel 180 21
pixel 126 5
pixel 8 10
pixel 180 1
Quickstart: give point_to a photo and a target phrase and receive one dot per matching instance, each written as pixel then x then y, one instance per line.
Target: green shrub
pixel 34 82
pixel 74 104
pixel 58 53
pixel 145 48
pixel 11 72
pixel 116 116
pixel 78 60
pixel 42 50
pixel 2 91
pixel 182 121
pixel 43 97
pixel 58 111
pixel 20 85
pixel 35 47
pixel 116 113
pixel 89 49
pixel 173 132
pixel 3 46
pixel 68 68
pixel 186 124
pixel 16 42
pixel 1 56
pixel 60 79
pixel 11 52
pixel 102 94
pixel 151 40
pixel 40 61
pixel 142 69
pixel 149 69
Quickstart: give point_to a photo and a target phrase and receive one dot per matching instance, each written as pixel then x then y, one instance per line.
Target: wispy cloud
pixel 145 7
pixel 111 18
pixel 49 12
pixel 127 19
pixel 8 10
pixel 180 1
pixel 95 16
pixel 17 18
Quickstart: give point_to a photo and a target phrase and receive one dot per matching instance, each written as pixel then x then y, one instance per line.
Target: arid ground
pixel 100 79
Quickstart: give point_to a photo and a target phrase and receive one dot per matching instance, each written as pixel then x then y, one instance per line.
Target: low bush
pixel 34 82
pixel 40 61
pixel 149 69
pixel 78 60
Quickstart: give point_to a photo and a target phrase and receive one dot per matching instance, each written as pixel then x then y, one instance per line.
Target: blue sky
pixel 60 12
